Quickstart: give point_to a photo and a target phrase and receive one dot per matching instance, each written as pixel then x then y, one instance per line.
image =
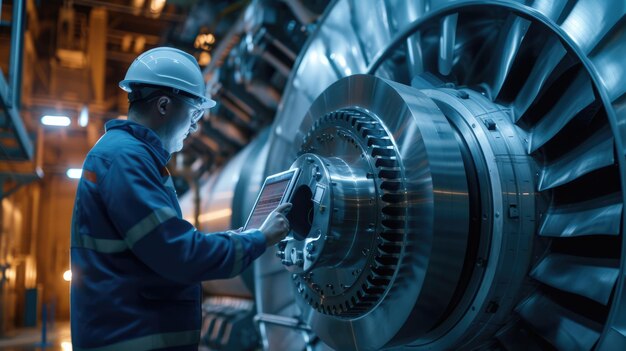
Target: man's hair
pixel 140 97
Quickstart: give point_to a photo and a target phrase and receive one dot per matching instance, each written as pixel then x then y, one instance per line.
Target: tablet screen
pixel 272 193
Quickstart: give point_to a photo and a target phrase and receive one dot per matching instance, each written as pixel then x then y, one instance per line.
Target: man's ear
pixel 163 105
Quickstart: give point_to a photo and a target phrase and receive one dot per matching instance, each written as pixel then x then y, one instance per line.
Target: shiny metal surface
pixel 594 153
pixel 331 219
pixel 535 94
pixel 559 326
pixel 601 216
pixel 430 181
pixel 590 277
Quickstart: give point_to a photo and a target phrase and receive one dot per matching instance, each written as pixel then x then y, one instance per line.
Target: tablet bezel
pixel 291 174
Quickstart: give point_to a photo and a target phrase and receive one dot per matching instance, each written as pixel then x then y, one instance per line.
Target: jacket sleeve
pixel 143 211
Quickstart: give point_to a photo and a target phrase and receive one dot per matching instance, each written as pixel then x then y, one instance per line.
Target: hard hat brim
pixel 205 104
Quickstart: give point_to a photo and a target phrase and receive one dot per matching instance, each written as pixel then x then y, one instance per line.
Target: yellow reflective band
pixel 151 342
pixel 238 255
pixel 148 224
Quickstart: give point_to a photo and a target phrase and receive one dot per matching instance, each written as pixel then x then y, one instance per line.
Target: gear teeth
pixel 389 179
pixel 393 223
pixel 389 174
pixel 385 162
pixel 392 236
pixel 385 151
pixel 394 211
pixel 373 140
pixel 386 260
pixel 393 198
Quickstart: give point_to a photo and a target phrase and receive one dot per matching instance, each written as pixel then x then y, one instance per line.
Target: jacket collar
pixel 145 134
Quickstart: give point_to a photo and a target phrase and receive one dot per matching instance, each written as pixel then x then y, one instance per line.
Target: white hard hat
pixel 168 67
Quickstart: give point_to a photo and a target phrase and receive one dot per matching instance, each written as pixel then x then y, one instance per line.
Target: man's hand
pixel 276 225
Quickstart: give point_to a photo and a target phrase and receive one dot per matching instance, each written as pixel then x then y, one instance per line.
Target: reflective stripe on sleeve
pixel 151 342
pixel 148 224
pixel 238 255
pixel 90 176
pixel 102 245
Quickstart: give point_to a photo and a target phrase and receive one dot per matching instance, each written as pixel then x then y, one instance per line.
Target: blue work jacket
pixel 136 263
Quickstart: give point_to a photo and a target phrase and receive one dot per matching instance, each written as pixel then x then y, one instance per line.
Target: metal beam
pixel 17 44
pixel 10 92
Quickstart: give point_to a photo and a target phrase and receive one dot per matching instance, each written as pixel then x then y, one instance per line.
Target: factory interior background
pixel 462 165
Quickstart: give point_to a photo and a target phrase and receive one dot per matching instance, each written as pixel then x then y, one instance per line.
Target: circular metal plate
pixel 436 188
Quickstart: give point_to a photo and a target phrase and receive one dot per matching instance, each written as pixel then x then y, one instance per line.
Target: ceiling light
pixel 83 118
pixel 203 41
pixel 156 6
pixel 138 3
pixel 204 59
pixel 74 173
pixel 67 275
pixel 62 121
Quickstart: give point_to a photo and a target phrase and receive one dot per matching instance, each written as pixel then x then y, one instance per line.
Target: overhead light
pixel 74 173
pixel 60 121
pixel 138 3
pixel 83 118
pixel 204 40
pixel 156 6
pixel 204 59
pixel 67 275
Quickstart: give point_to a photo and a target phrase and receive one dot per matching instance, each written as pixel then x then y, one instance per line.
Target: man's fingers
pixel 284 208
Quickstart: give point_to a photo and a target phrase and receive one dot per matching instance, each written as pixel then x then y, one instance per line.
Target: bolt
pixel 310 247
pixel 492 307
pixel 513 212
pixel 280 254
pixel 490 123
pixel 462 94
pixel 296 257
pixel 287 263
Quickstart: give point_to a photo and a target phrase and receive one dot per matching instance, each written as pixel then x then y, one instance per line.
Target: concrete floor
pixel 29 339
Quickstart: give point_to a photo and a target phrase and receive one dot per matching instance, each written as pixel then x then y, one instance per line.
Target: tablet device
pixel 276 188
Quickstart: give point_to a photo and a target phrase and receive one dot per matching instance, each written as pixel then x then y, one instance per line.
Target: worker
pixel 136 263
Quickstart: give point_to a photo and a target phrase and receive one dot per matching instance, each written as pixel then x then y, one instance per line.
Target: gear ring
pixel 366 133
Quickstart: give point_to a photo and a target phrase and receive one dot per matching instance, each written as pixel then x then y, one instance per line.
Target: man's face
pixel 186 115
